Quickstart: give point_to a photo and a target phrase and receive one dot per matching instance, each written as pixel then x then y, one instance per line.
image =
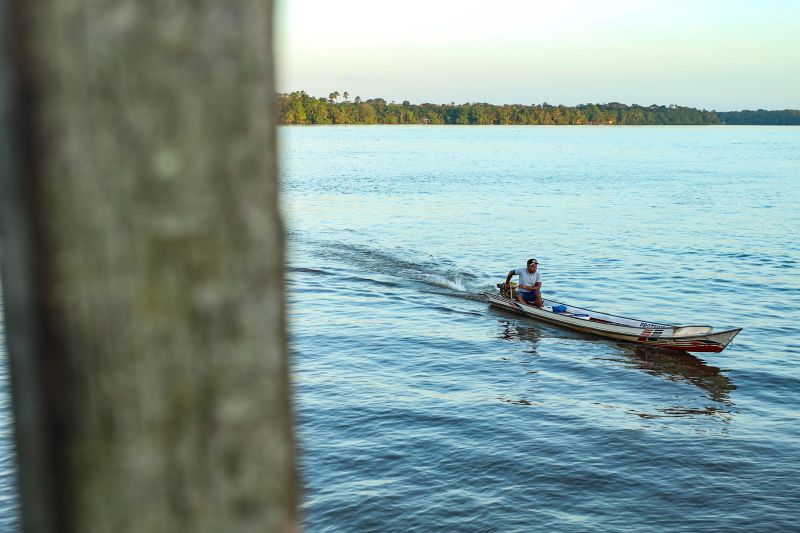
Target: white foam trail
pixel 442 281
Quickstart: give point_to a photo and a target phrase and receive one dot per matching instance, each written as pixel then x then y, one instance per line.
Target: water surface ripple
pixel 420 408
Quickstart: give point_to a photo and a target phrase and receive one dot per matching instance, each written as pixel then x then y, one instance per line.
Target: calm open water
pixel 419 408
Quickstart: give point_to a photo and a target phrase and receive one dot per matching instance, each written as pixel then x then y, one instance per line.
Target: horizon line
pixel 545 103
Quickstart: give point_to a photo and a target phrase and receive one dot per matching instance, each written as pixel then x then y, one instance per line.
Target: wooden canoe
pixel 643 332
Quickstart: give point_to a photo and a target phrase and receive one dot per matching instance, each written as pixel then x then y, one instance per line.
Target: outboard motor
pixel 511 292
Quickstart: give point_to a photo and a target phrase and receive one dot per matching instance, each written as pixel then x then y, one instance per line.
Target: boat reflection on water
pixel 677 366
pixel 511 331
pixel 527 342
pixel 666 364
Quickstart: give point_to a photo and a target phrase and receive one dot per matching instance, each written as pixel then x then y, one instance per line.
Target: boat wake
pixel 437 274
pixel 437 280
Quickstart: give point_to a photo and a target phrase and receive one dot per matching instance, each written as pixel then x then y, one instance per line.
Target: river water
pixel 419 408
pixel 9 502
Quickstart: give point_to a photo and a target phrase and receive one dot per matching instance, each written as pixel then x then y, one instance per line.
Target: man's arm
pixel 537 289
pixel 537 286
pixel 511 274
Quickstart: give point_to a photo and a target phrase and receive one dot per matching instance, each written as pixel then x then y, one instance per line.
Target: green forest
pixel 300 108
pixel 786 117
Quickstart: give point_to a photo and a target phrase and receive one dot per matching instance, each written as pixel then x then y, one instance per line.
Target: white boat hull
pixel 681 338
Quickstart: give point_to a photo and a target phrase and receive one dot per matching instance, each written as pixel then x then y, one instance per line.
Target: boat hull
pixel 678 338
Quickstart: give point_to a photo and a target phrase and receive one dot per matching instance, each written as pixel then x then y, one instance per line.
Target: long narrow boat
pixel 681 338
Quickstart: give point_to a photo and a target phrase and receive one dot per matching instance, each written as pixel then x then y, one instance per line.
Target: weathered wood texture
pixel 143 263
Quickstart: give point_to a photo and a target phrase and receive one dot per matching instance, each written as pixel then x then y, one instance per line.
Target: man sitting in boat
pixel 530 283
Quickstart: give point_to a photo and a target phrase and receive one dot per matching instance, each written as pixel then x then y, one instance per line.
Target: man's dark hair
pixel 532 261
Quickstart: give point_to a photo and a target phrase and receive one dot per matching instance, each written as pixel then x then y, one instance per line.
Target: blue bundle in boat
pixel 559 308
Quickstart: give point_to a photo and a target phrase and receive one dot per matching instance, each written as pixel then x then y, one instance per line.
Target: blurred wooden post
pixel 142 264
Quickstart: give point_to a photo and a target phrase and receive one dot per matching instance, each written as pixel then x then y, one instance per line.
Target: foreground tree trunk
pixel 142 266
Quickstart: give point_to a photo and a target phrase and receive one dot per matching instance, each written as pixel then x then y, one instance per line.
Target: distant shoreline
pixel 299 108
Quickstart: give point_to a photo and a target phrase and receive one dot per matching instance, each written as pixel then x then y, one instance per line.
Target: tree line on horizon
pixel 300 108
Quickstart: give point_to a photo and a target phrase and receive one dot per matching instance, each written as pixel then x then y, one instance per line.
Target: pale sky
pixel 721 55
